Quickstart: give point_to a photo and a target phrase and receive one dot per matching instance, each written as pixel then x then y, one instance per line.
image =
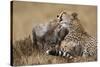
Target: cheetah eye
pixel 57 16
pixel 65 46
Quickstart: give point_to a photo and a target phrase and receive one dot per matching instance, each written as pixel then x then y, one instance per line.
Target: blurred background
pixel 28 14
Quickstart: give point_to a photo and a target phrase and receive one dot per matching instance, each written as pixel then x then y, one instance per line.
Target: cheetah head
pixel 65 17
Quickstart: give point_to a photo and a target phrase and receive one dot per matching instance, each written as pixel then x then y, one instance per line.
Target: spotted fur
pixel 77 42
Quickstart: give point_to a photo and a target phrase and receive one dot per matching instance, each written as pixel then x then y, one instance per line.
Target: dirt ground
pixel 28 14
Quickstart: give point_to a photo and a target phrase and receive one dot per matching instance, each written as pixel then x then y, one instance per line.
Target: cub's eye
pixel 57 16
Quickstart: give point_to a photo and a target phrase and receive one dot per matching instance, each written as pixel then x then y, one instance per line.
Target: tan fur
pixel 78 38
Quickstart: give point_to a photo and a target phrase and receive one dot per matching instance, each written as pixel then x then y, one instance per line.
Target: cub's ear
pixel 74 15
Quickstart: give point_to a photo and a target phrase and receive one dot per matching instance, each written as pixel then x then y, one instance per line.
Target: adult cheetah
pixel 77 43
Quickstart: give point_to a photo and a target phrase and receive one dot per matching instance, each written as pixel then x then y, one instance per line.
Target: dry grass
pixel 25 53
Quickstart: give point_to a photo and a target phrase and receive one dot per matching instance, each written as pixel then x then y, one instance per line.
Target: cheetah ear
pixel 74 15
